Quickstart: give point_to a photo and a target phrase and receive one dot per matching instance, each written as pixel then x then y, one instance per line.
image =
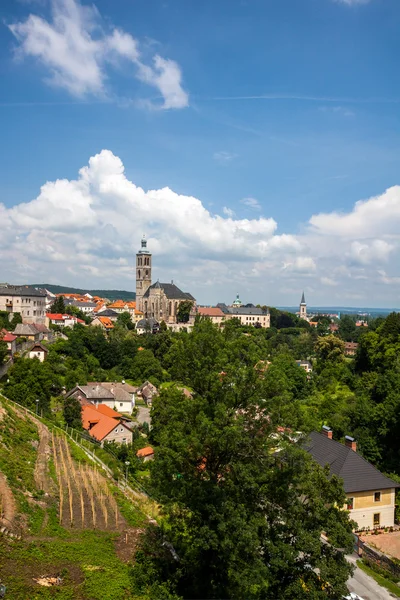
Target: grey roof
pixel 20 290
pixel 358 474
pixel 303 300
pixel 25 329
pixel 170 290
pixel 150 323
pixel 95 391
pixel 131 389
pixel 108 312
pixel 246 310
pixel 79 304
pixel 223 307
pixel 120 394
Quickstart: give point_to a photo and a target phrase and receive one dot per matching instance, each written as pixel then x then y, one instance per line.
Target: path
pixel 366 587
pixel 143 415
pixel 7 503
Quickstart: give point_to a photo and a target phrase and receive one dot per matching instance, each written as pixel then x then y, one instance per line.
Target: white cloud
pixel 77 54
pixel 228 212
pixel 328 281
pixel 224 157
pixel 377 251
pixel 251 203
pixel 352 2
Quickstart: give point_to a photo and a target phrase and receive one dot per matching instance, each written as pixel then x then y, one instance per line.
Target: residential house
pixel 38 351
pixel 63 320
pixel 121 306
pixel 247 315
pixel 28 331
pixel 104 322
pixel 86 306
pixel 105 427
pixel 371 495
pixel 114 395
pixel 145 454
pixel 214 313
pixel 304 364
pixel 26 300
pixel 149 325
pixel 333 327
pixel 107 312
pixel 10 339
pixel 147 391
pixel 350 348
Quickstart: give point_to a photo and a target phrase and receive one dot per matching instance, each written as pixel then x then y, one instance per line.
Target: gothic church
pixel 159 301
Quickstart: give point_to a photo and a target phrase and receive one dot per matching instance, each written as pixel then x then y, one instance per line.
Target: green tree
pixel 183 313
pixel 124 320
pixel 15 320
pixel 347 328
pixel 329 349
pixel 3 351
pixel 72 412
pixel 58 305
pixel 243 523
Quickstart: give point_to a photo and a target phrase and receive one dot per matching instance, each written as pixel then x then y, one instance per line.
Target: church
pixel 159 301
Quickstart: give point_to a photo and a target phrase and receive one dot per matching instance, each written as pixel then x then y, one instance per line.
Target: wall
pixel 366 499
pixel 365 508
pixel 120 435
pixel 381 560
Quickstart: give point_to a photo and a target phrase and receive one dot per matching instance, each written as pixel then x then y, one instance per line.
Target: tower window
pixel 147 271
pixel 138 273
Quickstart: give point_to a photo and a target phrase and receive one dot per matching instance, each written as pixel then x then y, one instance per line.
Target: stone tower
pixel 143 273
pixel 303 308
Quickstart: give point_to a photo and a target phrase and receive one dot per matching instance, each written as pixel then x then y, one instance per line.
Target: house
pixel 107 312
pixel 304 364
pixel 63 320
pixel 350 348
pixel 145 453
pixel 149 325
pixel 333 327
pixel 26 300
pixel 38 351
pixel 113 395
pixel 28 331
pixel 121 306
pixel 214 313
pixel 85 306
pixel 247 315
pixel 147 391
pixel 10 339
pixel 104 322
pixel 371 495
pixel 105 427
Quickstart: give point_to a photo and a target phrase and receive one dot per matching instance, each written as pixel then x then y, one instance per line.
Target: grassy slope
pixel 86 560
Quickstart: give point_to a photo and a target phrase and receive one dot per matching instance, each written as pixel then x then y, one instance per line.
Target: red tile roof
pixel 7 336
pixel 103 425
pixel 109 412
pixel 212 311
pixel 106 321
pixel 148 451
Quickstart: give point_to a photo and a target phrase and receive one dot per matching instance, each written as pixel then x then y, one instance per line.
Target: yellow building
pixel 371 495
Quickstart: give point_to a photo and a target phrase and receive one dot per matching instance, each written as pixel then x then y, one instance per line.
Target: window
pixel 121 403
pixel 350 503
pixel 377 497
pixel 116 431
pixel 377 519
pixel 122 430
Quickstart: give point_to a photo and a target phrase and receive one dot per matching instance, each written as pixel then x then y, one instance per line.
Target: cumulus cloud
pixel 78 54
pixel 86 231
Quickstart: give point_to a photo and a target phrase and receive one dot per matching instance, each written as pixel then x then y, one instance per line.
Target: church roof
pixel 170 290
pixel 303 300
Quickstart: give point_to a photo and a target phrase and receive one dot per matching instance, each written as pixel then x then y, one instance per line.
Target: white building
pixel 26 300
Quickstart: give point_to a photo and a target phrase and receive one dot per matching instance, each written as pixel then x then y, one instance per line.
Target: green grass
pixel 381 579
pixel 130 511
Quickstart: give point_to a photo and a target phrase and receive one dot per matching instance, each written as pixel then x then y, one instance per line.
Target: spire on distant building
pixel 303 308
pixel 303 300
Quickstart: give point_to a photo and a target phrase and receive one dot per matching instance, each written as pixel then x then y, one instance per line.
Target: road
pixel 366 587
pixel 143 415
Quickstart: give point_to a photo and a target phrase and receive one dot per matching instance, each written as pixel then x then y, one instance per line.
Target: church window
pixel 139 273
pixel 170 309
pixel 147 271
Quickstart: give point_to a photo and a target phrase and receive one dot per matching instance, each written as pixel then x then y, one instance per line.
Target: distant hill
pixel 111 294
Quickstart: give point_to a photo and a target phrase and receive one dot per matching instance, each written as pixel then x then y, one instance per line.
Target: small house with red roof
pixel 104 427
pixel 10 339
pixel 145 454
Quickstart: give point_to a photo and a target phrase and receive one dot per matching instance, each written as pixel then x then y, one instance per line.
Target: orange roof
pixel 117 304
pixel 109 412
pixel 212 311
pixel 103 425
pixel 139 312
pixel 148 451
pixel 106 321
pixel 131 304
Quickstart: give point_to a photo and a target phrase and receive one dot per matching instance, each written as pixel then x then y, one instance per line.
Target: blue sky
pixel 257 124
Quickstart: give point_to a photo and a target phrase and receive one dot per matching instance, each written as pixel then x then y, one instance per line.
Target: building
pixel 103 427
pixel 147 326
pixel 10 339
pixel 350 348
pixel 86 306
pixel 28 331
pixel 247 315
pixel 303 308
pixel 121 306
pixel 63 320
pixel 145 454
pixel 116 396
pixel 304 364
pixel 159 301
pixel 147 391
pixel 214 313
pixel 104 322
pixel 109 313
pixel 38 351
pixel 26 300
pixel 371 495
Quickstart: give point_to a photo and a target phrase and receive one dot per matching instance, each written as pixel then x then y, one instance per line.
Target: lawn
pixel 382 580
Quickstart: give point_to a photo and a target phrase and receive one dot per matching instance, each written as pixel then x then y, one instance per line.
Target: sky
pixel 255 143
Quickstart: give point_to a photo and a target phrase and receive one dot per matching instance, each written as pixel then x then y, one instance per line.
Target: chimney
pixel 350 443
pixel 327 431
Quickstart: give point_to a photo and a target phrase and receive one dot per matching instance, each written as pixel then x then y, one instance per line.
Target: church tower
pixel 303 308
pixel 143 273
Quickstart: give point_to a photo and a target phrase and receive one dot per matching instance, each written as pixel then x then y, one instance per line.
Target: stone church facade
pixel 159 301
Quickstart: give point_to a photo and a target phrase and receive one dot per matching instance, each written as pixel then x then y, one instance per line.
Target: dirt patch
pixel 388 543
pixel 127 543
pixel 7 503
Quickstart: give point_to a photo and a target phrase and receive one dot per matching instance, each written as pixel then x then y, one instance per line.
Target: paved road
pixel 143 415
pixel 366 587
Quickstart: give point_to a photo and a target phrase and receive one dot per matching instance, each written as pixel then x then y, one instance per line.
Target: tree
pixel 330 349
pixel 124 320
pixel 183 313
pixel 72 412
pixel 243 522
pixel 58 305
pixel 347 329
pixel 3 351
pixel 15 320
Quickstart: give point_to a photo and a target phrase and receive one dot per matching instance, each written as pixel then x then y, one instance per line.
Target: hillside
pixel 111 294
pixel 69 531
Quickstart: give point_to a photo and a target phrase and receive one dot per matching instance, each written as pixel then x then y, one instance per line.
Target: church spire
pixel 303 300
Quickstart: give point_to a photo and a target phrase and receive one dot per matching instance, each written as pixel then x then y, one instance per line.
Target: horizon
pixel 270 166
